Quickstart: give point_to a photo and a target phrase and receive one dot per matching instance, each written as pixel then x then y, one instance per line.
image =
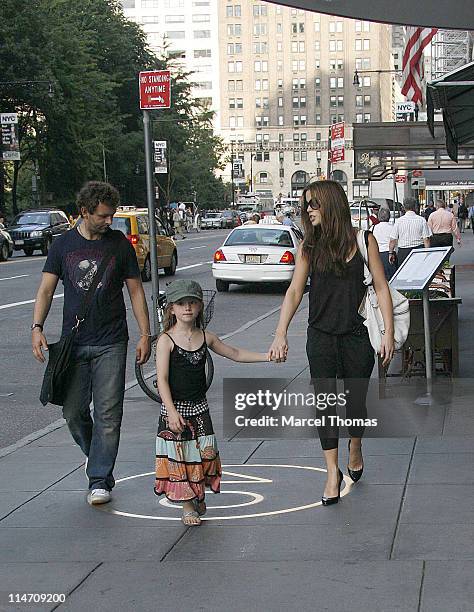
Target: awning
pixel 439 14
pixel 454 95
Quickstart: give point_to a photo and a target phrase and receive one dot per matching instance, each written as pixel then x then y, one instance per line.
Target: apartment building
pixel 189 29
pixel 286 75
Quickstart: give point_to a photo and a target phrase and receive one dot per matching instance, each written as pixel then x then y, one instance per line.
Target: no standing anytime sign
pixel 155 89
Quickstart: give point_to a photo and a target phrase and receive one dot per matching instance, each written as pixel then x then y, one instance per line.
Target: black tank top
pixel 334 300
pixel 187 375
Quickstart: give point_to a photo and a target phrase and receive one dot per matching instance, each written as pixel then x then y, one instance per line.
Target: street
pixel 20 410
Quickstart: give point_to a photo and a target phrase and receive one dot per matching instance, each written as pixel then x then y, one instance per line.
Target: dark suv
pixel 36 229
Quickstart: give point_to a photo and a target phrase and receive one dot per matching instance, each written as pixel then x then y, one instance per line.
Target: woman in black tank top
pixel 338 344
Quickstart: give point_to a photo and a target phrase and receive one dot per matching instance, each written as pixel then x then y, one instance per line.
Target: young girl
pixel 187 458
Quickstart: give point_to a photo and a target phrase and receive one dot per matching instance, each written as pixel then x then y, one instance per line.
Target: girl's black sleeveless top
pixel 187 375
pixel 334 300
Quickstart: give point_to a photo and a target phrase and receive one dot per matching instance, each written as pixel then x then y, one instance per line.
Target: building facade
pixel 286 75
pixel 187 31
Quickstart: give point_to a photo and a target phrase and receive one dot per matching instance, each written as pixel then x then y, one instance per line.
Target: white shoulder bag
pixel 370 310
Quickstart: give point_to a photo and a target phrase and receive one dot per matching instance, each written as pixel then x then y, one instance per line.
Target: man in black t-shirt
pixel 100 347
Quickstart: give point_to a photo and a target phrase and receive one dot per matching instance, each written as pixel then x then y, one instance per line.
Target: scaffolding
pixel 450 49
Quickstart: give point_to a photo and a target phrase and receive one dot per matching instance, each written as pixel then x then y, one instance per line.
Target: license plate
pixel 19 242
pixel 252 259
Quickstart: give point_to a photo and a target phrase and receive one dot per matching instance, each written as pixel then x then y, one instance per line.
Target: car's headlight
pixel 36 234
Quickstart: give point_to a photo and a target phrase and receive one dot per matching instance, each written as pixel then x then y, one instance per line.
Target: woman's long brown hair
pixel 328 246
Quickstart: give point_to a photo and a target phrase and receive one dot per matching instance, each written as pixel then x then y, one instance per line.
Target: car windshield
pixel 213 215
pixel 122 224
pixel 260 236
pixel 355 213
pixel 32 219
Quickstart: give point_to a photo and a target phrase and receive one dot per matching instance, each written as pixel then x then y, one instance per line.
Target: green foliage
pixel 92 56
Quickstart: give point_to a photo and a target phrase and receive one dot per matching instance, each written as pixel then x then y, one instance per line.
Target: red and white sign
pixel 155 89
pixel 337 142
pixel 400 178
pixel 337 131
pixel 417 173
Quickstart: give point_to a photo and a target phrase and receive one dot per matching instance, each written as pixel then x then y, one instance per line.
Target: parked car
pixel 6 244
pixel 256 254
pixel 133 222
pixel 230 218
pixel 37 228
pixel 212 220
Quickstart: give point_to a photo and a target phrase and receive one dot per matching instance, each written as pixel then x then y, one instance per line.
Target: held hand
pixel 39 344
pixel 392 258
pixel 143 350
pixel 387 349
pixel 279 349
pixel 176 422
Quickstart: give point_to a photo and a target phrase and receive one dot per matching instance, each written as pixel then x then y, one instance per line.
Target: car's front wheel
pixel 4 252
pixel 222 286
pixel 46 246
pixel 146 272
pixel 28 251
pixel 171 271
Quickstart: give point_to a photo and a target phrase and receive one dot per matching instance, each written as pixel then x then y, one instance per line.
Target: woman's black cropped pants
pixel 349 357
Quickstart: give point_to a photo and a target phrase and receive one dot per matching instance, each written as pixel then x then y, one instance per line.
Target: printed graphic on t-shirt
pixel 82 267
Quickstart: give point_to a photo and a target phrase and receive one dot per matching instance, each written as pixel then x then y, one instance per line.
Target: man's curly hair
pixel 94 193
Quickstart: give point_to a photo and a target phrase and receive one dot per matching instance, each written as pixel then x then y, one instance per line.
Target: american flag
pixel 413 66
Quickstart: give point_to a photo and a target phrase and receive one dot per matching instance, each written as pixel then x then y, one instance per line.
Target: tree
pixel 92 55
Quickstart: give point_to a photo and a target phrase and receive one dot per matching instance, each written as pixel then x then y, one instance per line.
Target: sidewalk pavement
pixel 401 539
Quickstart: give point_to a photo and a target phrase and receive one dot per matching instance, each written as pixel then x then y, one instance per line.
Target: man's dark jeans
pixel 404 252
pixel 98 374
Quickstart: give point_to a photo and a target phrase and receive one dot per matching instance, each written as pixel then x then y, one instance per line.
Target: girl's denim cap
pixel 183 288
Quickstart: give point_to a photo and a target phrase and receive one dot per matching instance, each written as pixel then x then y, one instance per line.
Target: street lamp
pixel 49 83
pixel 356 80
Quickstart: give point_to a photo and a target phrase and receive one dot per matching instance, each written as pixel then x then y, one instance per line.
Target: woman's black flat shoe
pixel 354 474
pixel 328 501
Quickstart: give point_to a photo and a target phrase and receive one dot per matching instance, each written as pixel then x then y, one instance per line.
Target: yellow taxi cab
pixel 133 222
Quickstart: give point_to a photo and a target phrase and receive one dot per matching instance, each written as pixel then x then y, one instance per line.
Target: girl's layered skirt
pixel 186 463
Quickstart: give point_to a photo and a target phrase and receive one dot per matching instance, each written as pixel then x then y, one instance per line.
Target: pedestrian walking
pixel 443 225
pixel 178 224
pixel 254 220
pixel 338 344
pixel 471 216
pixel 99 352
pixel 408 232
pixel 187 457
pixel 462 217
pixel 287 220
pixel 382 231
pixel 429 210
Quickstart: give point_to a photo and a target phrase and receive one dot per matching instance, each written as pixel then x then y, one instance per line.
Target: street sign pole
pixel 155 92
pixel 150 192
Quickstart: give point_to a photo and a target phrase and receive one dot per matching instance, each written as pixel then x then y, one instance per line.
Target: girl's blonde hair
pixel 169 320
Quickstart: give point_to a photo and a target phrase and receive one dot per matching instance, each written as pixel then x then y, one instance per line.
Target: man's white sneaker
pixel 98 496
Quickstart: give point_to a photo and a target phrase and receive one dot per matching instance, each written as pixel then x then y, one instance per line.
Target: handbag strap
pixel 363 244
pixel 87 300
